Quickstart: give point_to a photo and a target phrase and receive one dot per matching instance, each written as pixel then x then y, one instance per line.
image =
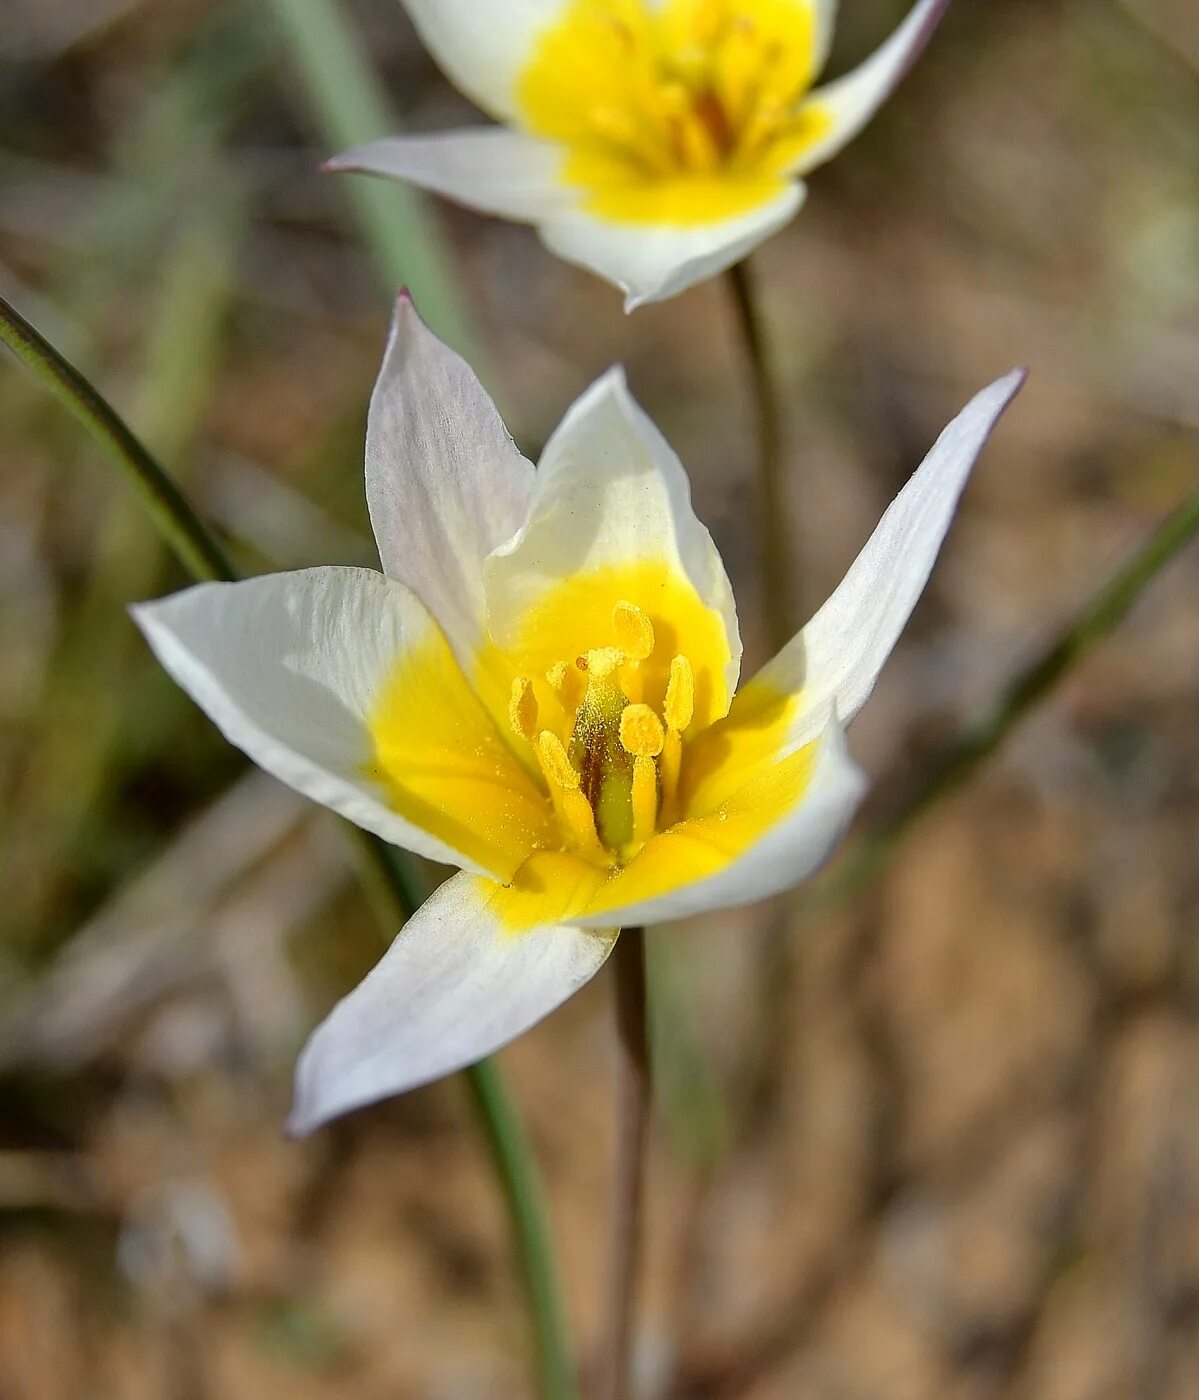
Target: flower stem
pixel 388 876
pixel 633 1092
pixel 512 1157
pixel 777 554
pixel 981 734
pixel 180 526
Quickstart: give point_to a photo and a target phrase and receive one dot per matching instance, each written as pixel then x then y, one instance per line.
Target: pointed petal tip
pixel 1009 385
pixel 616 379
pixel 304 1119
pixel 925 27
pixel 296 1129
pixel 406 321
pixel 403 307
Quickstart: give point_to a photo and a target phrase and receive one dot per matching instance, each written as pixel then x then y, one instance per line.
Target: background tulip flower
pixel 655 142
pixel 541 689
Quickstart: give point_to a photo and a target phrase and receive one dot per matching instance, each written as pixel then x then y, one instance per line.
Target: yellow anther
pixel 634 631
pixel 559 772
pixel 522 708
pixel 601 662
pixel 679 706
pixel 567 683
pixel 641 731
pixel 570 803
pixel 645 799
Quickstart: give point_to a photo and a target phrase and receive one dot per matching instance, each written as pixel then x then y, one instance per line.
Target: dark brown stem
pixel 777 551
pixel 632 1119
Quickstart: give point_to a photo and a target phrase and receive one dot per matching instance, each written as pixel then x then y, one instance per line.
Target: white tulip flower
pixel 541 688
pixel 655 142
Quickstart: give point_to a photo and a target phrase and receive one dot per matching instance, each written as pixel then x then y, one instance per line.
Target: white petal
pixel 487 168
pixel 289 667
pixel 851 101
pixel 836 659
pixel 609 490
pixel 482 46
pixel 444 481
pixel 453 987
pixel 791 849
pixel 650 262
pixel 826 23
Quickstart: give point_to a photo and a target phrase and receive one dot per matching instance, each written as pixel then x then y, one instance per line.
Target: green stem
pixel 198 551
pixel 388 879
pixel 986 730
pixel 351 108
pixel 633 1094
pixel 780 591
pixel 513 1160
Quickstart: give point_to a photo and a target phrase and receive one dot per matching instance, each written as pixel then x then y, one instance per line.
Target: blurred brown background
pixel 949 1145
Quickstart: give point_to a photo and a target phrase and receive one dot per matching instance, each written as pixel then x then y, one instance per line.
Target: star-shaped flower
pixel 655 142
pixel 541 688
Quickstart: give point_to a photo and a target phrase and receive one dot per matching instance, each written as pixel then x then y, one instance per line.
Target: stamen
pixel 570 803
pixel 522 708
pixel 568 685
pixel 580 822
pixel 762 123
pixel 670 764
pixel 644 798
pixel 696 141
pixel 641 731
pixel 634 631
pixel 678 709
pixel 679 706
pixel 558 769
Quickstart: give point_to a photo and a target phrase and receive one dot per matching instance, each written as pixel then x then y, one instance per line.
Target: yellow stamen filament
pixel 679 707
pixel 634 631
pixel 522 708
pixel 670 763
pixel 678 710
pixel 645 799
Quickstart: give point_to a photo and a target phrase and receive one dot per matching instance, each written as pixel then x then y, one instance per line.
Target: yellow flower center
pixel 591 760
pixel 684 111
pixel 612 765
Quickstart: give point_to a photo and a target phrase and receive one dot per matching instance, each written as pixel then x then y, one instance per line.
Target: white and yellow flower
pixel 655 142
pixel 541 689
